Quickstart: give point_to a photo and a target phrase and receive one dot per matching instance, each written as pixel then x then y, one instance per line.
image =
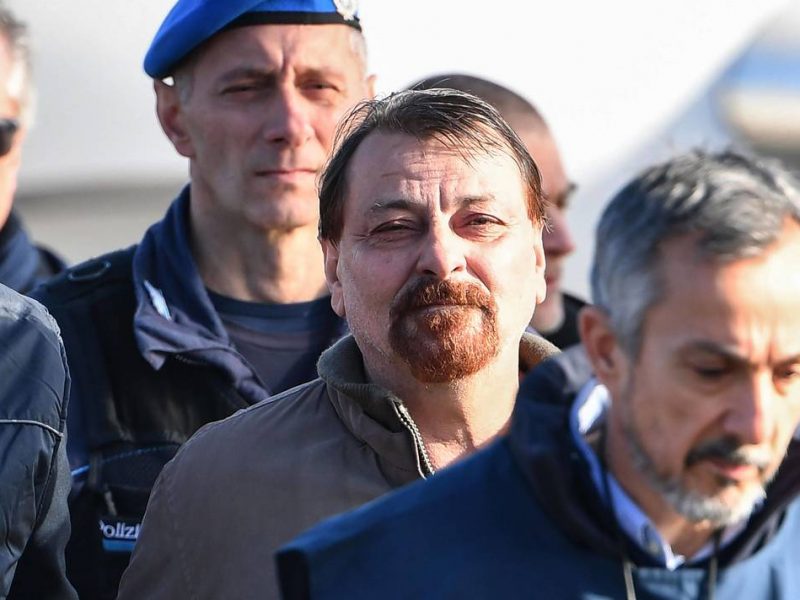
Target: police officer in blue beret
pixel 224 302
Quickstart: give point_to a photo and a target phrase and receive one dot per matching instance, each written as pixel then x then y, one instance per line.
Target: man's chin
pixel 721 503
pixel 442 356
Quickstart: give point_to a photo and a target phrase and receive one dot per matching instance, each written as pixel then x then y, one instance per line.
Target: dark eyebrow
pixel 396 204
pixel 247 73
pixel 561 200
pixel 320 72
pixel 470 200
pixel 714 348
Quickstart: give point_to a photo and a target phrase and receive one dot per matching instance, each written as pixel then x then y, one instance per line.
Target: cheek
pixel 514 277
pixel 357 290
pixel 669 424
pixel 788 423
pixel 325 127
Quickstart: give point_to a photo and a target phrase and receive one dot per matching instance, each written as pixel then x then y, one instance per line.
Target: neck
pixel 244 262
pixel 457 418
pixel 685 537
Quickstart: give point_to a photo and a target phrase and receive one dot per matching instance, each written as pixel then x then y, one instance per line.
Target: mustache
pixel 429 291
pixel 731 451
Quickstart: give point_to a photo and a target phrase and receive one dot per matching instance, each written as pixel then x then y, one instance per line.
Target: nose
pixel 752 416
pixel 557 238
pixel 442 252
pixel 289 118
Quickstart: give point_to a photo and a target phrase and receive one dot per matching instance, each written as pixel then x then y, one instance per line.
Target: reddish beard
pixel 456 338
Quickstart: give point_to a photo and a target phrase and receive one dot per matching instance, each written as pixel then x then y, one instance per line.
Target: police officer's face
pixel 557 238
pixel 260 115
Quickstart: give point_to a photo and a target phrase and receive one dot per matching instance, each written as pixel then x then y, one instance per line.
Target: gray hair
pixel 19 85
pixel 737 206
pixel 458 120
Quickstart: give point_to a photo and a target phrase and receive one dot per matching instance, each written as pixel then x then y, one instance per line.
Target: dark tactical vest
pixel 135 417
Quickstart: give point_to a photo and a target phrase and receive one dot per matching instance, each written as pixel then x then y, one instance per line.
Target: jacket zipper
pixel 422 453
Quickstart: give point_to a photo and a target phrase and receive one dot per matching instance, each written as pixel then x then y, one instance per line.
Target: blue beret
pixel 192 22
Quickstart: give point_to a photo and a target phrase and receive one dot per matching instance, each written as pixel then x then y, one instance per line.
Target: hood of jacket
pixel 174 314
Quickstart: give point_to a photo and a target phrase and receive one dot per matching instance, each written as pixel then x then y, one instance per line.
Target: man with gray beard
pixel 659 460
pixel 431 229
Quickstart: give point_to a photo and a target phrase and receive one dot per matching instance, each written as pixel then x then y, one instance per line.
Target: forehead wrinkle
pixel 406 204
pixel 249 71
pixel 393 204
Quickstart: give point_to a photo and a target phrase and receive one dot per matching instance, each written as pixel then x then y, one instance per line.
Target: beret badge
pixel 346 8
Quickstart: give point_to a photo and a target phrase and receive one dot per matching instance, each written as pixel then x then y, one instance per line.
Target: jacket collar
pixel 19 258
pixel 372 413
pixel 174 315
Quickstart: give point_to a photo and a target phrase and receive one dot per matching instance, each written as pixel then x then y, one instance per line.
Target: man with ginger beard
pixel 430 225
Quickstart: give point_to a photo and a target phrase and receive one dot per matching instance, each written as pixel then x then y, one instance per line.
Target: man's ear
pixel 330 252
pixel 608 360
pixel 541 263
pixel 171 117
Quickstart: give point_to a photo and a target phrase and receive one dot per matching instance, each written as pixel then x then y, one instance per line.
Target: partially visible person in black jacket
pixel 34 389
pixel 22 264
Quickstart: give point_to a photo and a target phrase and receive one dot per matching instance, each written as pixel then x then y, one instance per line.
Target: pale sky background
pixel 621 82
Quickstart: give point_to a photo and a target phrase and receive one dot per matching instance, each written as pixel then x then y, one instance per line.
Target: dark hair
pixel 458 120
pixel 507 102
pixel 737 206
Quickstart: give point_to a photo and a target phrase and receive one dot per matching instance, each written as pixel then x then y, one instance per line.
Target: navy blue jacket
pixel 523 520
pixel 34 389
pixel 22 264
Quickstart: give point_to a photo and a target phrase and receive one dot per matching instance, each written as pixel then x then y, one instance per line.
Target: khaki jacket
pixel 241 487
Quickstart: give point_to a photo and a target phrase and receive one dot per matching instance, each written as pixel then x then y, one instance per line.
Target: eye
pixel 320 85
pixel 562 201
pixel 481 226
pixel 241 88
pixel 710 371
pixel 320 88
pixel 394 231
pixel 787 373
pixel 481 220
